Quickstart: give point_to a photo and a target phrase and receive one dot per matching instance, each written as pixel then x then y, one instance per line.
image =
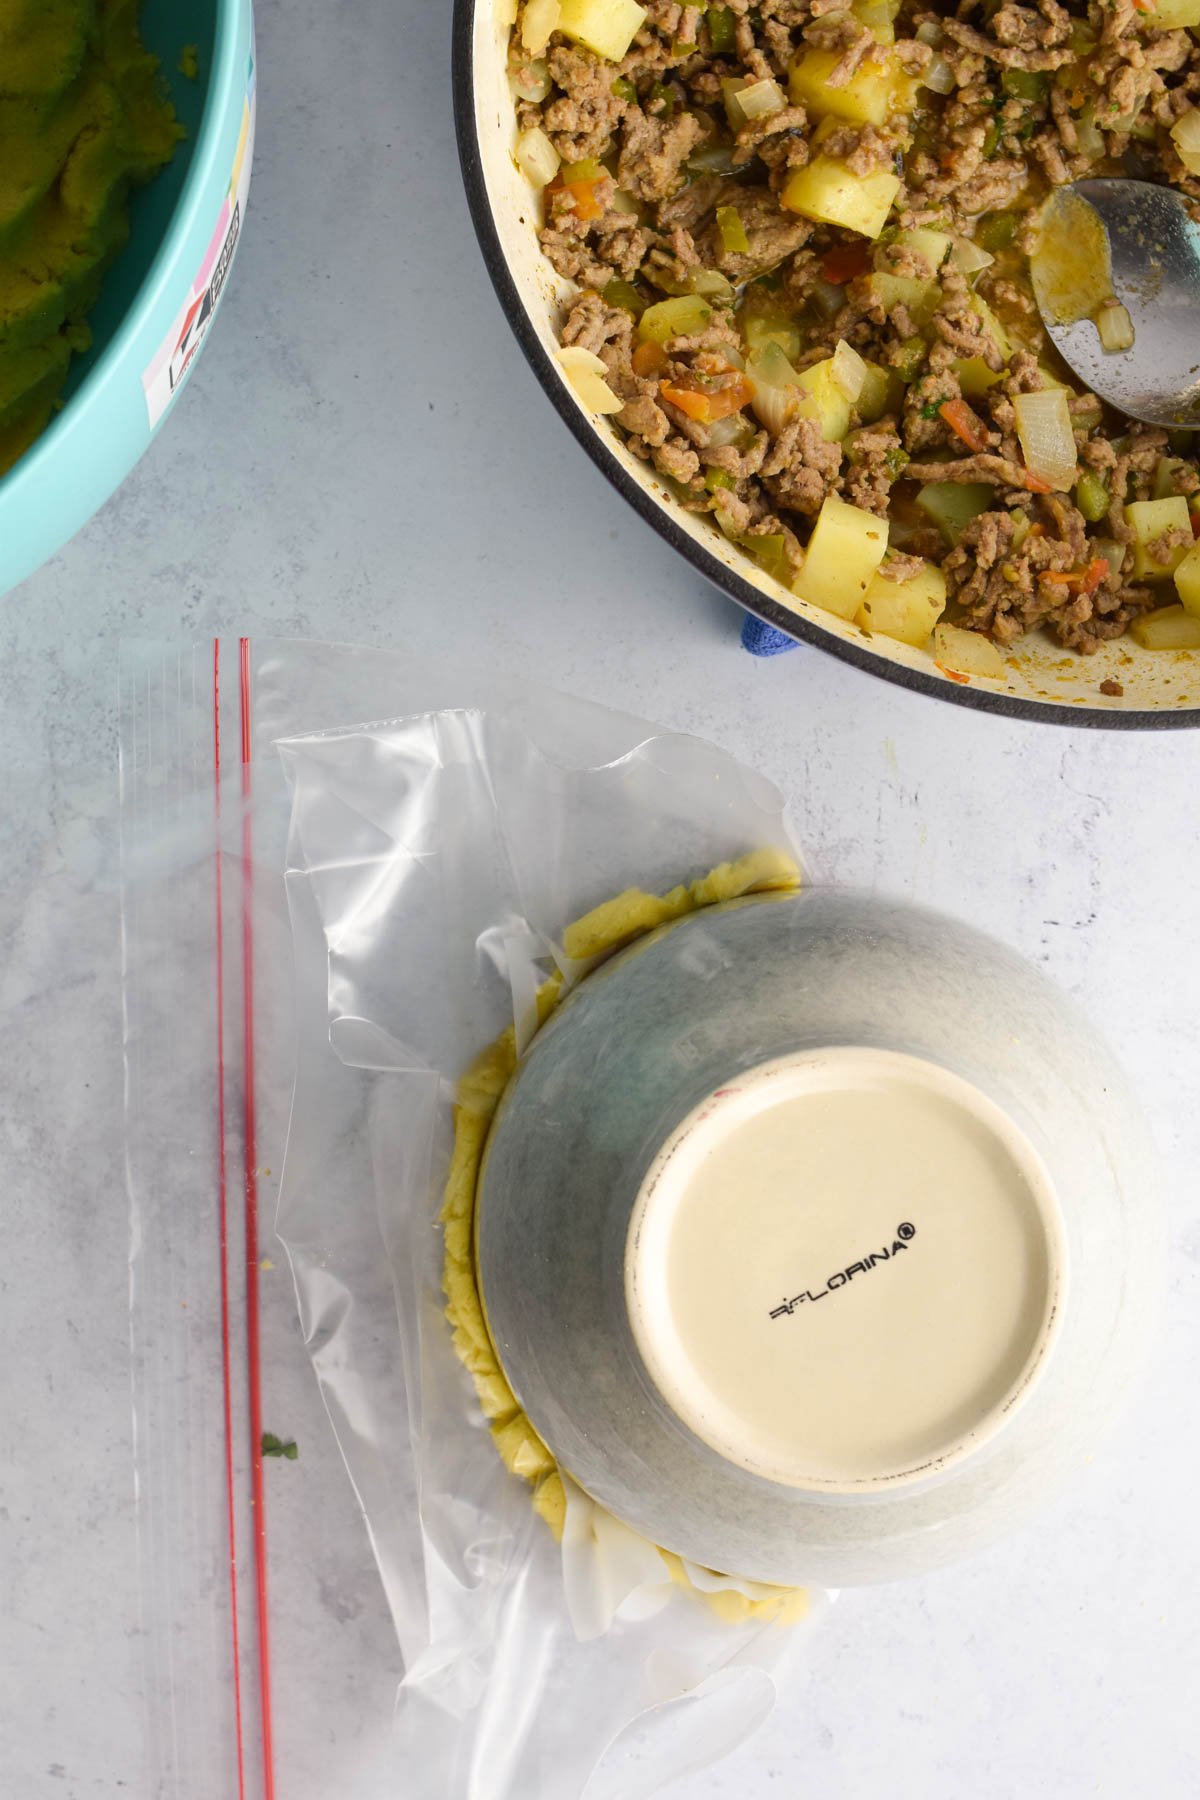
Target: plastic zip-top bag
pixel 346 876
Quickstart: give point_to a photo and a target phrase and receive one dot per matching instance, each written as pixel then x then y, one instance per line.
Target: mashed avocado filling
pixel 82 118
pixel 607 928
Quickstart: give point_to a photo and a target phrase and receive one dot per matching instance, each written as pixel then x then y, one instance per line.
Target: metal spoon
pixel 1155 250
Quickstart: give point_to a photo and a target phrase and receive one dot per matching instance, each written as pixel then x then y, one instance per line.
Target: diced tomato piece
pixel 965 424
pixel 650 359
pixel 844 262
pixel 718 403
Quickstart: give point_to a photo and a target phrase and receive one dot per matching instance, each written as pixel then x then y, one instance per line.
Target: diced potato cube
pixel 919 296
pixel 1167 628
pixel 1150 519
pixel 882 392
pixel 541 19
pixel 878 87
pixel 934 246
pixel 585 372
pixel 907 610
pixel 684 315
pixel 878 16
pixel 845 549
pixel 1173 15
pixel 966 652
pixel 1003 341
pixel 1187 581
pixel 765 329
pixel 974 376
pixel 824 401
pixel 825 190
pixel 606 26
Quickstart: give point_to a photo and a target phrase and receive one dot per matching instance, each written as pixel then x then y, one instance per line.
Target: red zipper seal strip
pixel 223 1224
pixel 250 1163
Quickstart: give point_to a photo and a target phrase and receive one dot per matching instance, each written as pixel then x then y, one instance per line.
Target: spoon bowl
pixel 1155 256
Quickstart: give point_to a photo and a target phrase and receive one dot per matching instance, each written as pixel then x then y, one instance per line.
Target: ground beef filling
pixel 1008 101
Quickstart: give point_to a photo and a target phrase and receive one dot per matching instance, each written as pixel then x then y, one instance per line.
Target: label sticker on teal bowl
pixel 173 360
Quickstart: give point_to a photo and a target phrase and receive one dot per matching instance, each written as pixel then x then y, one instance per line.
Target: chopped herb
pixel 273 1446
pixel 931 409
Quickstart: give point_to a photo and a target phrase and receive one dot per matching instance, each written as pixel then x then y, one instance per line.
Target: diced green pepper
pixel 951 505
pixel 1164 477
pixel 623 294
pixel 624 89
pixel 732 232
pixel 909 357
pixel 991 141
pixel 882 392
pixel 684 316
pixel 895 461
pixel 770 553
pixel 1091 497
pixel 588 169
pixel 997 231
pixel 716 159
pixel 718 478
pixel 722 32
pixel 1021 528
pixel 1025 84
pixel 660 91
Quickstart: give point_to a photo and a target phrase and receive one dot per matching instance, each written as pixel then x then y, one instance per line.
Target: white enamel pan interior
pixel 1042 681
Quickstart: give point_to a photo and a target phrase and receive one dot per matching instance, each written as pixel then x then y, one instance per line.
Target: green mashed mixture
pixel 83 116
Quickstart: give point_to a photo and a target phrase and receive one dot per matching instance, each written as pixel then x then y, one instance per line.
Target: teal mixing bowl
pixel 159 298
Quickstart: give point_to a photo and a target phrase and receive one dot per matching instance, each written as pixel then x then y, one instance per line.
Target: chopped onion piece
pixel 761 98
pixel 776 393
pixel 970 257
pixel 736 429
pixel 1186 135
pixel 939 76
pixel 541 19
pixel 531 81
pixel 827 297
pixel 586 373
pixel 849 371
pixel 1115 327
pixel 1087 132
pixel 1047 438
pixel 746 100
pixel 930 32
pixel 711 283
pixel 536 156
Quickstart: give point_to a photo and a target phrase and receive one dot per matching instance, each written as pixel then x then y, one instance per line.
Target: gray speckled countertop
pixel 362 454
